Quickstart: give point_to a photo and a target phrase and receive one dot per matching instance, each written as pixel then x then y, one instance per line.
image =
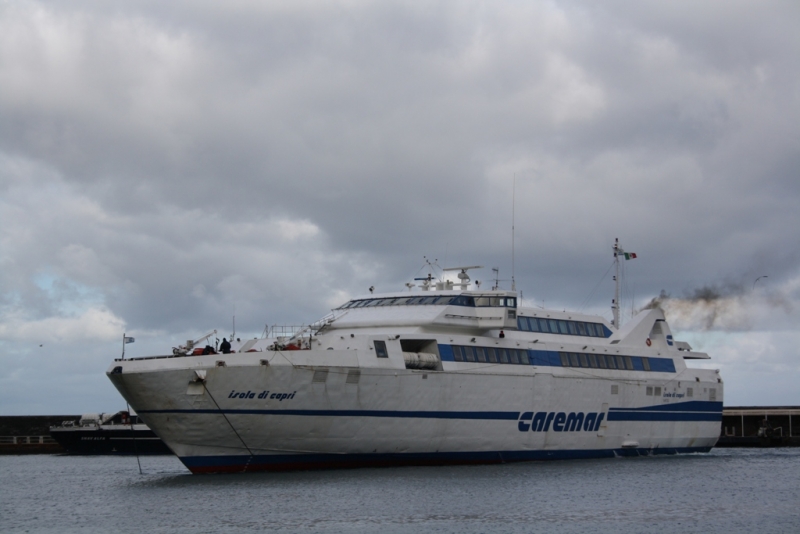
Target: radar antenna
pixel 463 276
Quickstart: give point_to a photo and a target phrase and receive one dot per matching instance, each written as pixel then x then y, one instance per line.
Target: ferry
pixel 442 372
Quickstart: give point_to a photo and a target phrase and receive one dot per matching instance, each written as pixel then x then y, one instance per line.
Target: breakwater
pixel 30 434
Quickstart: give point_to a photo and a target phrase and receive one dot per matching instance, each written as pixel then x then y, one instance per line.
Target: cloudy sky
pixel 164 167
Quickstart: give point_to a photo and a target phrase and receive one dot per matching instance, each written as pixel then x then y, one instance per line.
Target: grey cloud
pixel 152 155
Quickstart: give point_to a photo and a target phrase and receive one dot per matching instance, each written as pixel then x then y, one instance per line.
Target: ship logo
pixel 560 421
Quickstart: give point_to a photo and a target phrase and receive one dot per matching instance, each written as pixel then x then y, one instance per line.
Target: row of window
pixel 608 361
pixel 560 326
pixel 490 355
pixel 447 300
pixel 469 353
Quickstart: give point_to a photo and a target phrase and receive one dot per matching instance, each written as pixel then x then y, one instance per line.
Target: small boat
pixel 103 433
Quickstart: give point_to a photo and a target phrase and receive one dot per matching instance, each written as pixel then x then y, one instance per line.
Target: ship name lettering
pixel 560 421
pixel 263 395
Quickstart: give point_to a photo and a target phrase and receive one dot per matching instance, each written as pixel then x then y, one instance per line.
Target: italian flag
pixel 630 255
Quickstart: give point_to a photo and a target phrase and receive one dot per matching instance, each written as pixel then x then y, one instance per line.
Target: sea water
pixel 727 490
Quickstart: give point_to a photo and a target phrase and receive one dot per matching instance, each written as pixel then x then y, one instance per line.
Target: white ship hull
pixel 249 416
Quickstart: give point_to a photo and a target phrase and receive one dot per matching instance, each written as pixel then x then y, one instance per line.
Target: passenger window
pixel 564 359
pixel 573 360
pixel 543 325
pixel 469 354
pixel 553 325
pixel 492 355
pixel 514 356
pixel 481 354
pixel 611 362
pixel 562 327
pixel 593 361
pixel 628 363
pixel 581 329
pixel 503 355
pixel 620 363
pixel 523 357
pixel 584 360
pixel 590 329
pixel 534 324
pixel 457 354
pixel 646 363
pixel 380 349
pixel 601 360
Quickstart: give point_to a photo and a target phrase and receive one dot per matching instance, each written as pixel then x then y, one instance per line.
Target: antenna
pixel 513 220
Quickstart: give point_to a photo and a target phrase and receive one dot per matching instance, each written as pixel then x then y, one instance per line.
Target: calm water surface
pixel 750 490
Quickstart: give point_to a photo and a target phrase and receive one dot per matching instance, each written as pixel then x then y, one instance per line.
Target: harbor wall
pixel 30 434
pixel 760 426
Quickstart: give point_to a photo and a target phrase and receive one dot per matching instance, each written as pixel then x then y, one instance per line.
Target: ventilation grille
pixel 320 375
pixel 353 376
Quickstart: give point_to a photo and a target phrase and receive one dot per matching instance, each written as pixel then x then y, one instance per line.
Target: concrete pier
pixel 30 434
pixel 760 426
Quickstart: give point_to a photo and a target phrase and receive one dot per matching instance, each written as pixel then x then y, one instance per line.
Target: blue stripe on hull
pixel 679 411
pixel 294 462
pixel 614 414
pixel 689 406
pixel 503 416
pixel 663 416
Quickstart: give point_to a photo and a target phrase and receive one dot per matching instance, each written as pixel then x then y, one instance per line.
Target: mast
pixel 513 220
pixel 615 302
